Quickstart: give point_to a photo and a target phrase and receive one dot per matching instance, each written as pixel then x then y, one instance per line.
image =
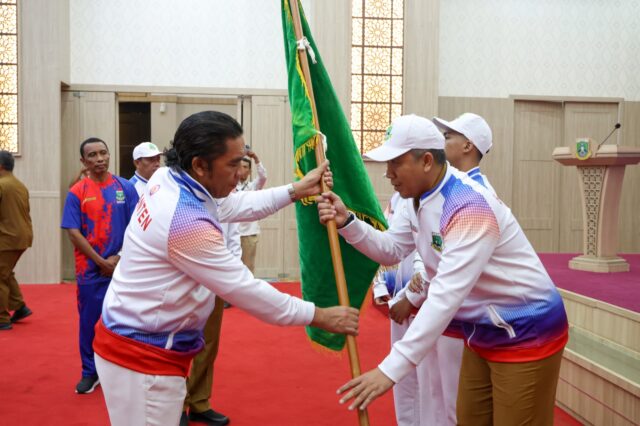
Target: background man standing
pixel 249 231
pixel 468 138
pixel 146 158
pixel 96 213
pixel 16 236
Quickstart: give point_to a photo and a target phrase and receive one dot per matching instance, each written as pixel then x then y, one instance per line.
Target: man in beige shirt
pixel 16 236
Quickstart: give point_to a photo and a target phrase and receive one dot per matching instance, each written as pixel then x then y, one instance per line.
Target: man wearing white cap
pixel 488 279
pixel 468 139
pixel 146 157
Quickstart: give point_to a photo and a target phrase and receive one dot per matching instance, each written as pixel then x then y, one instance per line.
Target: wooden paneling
pixel 43 45
pixel 620 326
pixel 581 119
pixel 163 124
pixel 70 155
pixel 629 219
pixel 537 130
pixel 291 262
pixel 497 165
pixel 270 129
pixel 184 110
pixel 592 398
pixel 421 57
pixel 166 116
pixel 544 195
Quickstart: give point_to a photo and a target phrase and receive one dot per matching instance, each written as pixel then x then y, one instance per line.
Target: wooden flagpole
pixel 332 230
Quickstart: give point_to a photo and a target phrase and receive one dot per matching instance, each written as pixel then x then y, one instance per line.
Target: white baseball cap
pixel 407 132
pixel 145 150
pixel 472 127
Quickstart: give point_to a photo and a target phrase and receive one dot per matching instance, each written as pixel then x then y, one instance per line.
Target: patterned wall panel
pixel 196 43
pixel 495 48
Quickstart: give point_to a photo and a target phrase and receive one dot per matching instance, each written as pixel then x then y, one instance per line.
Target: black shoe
pixel 87 384
pixel 209 417
pixel 184 419
pixel 5 326
pixel 21 313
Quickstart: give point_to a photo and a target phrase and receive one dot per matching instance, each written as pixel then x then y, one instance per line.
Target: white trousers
pixel 438 375
pixel 137 399
pixel 405 393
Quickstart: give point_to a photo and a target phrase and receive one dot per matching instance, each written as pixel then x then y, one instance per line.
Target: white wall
pixel 192 43
pixel 495 48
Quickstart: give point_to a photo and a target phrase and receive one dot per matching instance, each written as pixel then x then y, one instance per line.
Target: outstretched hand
pixel 331 207
pixel 310 184
pixel 365 388
pixel 337 319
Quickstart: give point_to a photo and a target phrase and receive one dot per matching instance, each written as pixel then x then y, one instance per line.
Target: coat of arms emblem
pixel 583 149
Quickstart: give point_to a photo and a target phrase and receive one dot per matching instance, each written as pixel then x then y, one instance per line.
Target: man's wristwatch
pixel 350 219
pixel 292 192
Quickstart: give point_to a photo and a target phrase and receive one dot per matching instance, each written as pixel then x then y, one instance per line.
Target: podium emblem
pixel 583 149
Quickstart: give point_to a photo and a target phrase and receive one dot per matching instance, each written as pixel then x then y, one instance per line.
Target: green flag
pixel 350 180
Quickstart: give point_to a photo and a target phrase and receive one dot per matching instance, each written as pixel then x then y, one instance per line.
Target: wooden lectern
pixel 600 175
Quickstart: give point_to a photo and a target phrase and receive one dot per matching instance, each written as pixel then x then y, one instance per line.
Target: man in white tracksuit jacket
pixel 175 262
pixel 489 280
pixel 467 139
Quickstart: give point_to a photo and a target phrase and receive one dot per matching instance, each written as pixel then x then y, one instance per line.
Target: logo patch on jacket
pixel 119 196
pixel 436 241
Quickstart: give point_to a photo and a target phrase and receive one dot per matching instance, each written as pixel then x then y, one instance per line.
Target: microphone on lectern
pixel 616 127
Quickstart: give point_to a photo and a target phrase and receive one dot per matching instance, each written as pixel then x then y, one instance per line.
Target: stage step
pixel 600 374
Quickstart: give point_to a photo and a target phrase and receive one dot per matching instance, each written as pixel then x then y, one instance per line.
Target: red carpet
pixel 620 288
pixel 265 375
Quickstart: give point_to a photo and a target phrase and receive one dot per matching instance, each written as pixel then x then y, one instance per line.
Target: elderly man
pixel 146 158
pixel 16 235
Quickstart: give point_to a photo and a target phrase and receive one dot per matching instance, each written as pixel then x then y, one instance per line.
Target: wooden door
pixel 537 131
pixel 270 140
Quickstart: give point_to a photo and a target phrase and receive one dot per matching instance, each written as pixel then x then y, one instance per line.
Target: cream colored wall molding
pixel 44 194
pixel 163 90
pixel 563 99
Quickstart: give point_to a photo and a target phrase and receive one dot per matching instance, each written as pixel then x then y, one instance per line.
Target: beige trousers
pixel 248 245
pixel 505 394
pixel 10 294
pixel 200 380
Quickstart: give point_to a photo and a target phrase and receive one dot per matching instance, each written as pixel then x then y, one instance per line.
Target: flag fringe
pixel 370 220
pixel 303 150
pixel 317 347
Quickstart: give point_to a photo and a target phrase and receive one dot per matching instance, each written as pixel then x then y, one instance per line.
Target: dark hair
pixel 7 161
pixel 203 134
pixel 438 154
pixel 88 141
pixel 247 160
